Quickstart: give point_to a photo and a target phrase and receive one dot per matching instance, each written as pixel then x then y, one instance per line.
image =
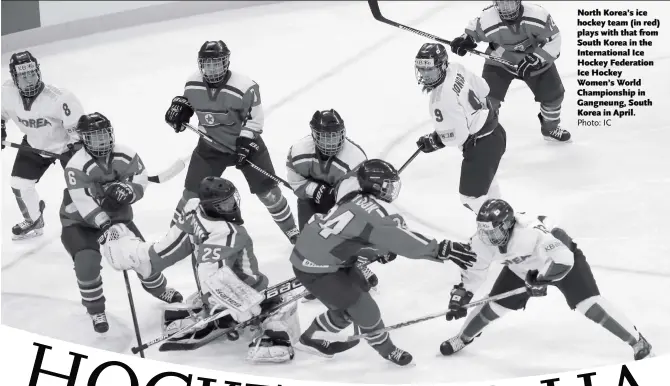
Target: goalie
pixel 226 271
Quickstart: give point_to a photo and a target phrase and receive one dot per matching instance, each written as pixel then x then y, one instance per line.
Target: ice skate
pixel 556 134
pixel 28 229
pixel 322 347
pixel 399 356
pixel 454 345
pixel 100 324
pixel 642 349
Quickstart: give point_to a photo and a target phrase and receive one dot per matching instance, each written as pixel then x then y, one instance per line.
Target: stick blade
pixel 169 173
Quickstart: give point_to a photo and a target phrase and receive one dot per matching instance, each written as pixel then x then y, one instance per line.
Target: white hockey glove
pixel 228 291
pixel 124 250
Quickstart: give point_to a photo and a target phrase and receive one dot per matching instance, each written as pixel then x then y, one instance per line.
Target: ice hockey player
pixel 226 270
pixel 537 253
pixel 463 117
pixel 103 180
pixel 47 115
pixel 228 107
pixel 324 258
pixel 527 36
pixel 317 163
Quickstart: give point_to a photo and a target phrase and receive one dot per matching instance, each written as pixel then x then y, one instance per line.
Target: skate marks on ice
pixel 62 319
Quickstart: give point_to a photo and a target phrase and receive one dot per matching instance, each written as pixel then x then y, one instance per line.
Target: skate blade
pixel 30 235
pixel 554 140
pixel 310 350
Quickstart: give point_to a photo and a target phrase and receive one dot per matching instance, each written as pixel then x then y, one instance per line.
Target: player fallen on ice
pixel 104 179
pixel 47 115
pixel 226 270
pixel 325 256
pixel 317 163
pixel 526 35
pixel 228 106
pixel 463 117
pixel 536 254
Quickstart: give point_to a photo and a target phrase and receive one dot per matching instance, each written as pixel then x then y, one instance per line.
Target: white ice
pixel 609 187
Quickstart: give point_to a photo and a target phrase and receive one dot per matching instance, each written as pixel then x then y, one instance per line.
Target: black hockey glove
pixel 462 44
pixel 4 134
pixel 180 112
pixel 535 287
pixel 245 149
pixel 117 195
pixel 429 143
pixel 459 298
pixel 459 253
pixel 324 198
pixel 532 62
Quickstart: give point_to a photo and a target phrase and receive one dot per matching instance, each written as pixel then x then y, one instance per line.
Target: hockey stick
pixel 161 177
pixel 416 153
pixel 335 337
pixel 209 139
pixel 132 312
pixel 376 12
pixel 272 292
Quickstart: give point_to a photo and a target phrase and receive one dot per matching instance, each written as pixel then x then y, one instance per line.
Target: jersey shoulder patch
pixel 355 149
pixel 240 81
pixel 124 150
pixel 534 11
pixel 195 77
pixel 305 146
pixel 80 159
pixel 489 19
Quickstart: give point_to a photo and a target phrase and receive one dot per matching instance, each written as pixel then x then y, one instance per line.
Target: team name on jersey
pixel 34 123
pixel 516 260
pixel 365 204
pixel 459 82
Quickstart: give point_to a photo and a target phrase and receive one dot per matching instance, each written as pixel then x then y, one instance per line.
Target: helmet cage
pixel 329 143
pixel 389 190
pixel 493 235
pixel 214 69
pixel 508 9
pixel 98 142
pixel 27 78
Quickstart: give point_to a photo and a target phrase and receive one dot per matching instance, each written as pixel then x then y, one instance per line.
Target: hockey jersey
pixel 231 110
pixel 214 243
pixel 86 177
pixel 306 169
pixel 48 120
pixel 459 108
pixel 534 31
pixel 531 246
pixel 358 226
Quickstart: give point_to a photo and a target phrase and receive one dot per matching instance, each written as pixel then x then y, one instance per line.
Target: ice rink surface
pixel 609 187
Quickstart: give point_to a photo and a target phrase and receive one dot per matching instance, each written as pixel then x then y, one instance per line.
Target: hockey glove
pixel 429 143
pixel 459 253
pixel 459 298
pixel 245 148
pixel 117 195
pixel 179 113
pixel 324 198
pixel 462 44
pixel 532 62
pixel 4 134
pixel 534 286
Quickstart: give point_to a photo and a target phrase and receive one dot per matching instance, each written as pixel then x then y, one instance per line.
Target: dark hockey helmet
pixel 495 222
pixel 26 74
pixel 328 132
pixel 220 199
pixel 430 65
pixel 508 10
pixel 213 61
pixel 379 178
pixel 97 134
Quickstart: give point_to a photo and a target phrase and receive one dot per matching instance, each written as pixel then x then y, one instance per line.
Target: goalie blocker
pixel 225 267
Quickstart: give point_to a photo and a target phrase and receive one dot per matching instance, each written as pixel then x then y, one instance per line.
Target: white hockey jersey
pixel 531 247
pixel 458 106
pixel 49 120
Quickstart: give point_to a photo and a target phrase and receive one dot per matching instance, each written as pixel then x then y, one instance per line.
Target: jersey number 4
pixel 335 225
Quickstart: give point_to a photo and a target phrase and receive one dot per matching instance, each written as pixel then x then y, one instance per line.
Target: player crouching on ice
pixel 325 256
pixel 226 270
pixel 535 255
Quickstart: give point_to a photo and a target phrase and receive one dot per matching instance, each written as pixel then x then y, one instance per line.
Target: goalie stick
pixel 376 12
pixel 272 292
pixel 161 177
pixel 335 337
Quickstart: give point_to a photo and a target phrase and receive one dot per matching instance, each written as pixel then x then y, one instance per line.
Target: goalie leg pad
pixel 279 332
pixel 175 320
pixel 229 291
